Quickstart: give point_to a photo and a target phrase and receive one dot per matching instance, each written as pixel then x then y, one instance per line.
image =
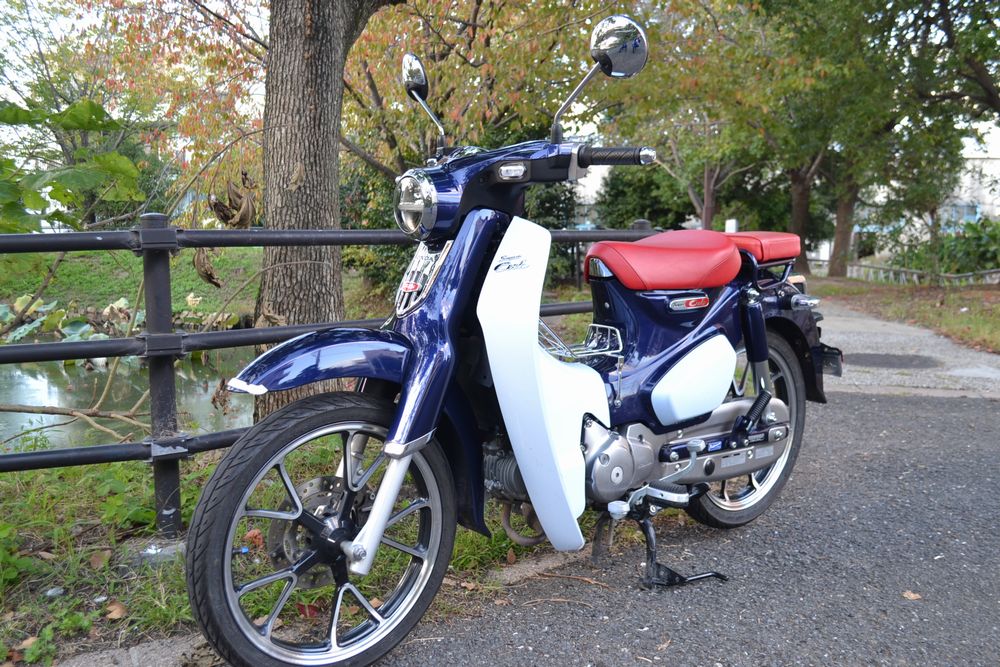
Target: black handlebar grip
pixel 589 155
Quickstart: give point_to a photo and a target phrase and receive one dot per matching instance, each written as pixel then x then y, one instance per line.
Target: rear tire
pixel 720 509
pixel 283 467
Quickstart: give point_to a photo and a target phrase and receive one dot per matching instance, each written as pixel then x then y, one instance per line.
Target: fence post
pixel 162 390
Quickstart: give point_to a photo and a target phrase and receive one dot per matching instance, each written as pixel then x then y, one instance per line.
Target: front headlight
pixel 415 202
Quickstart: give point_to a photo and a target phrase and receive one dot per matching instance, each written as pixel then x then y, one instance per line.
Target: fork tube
pixel 361 551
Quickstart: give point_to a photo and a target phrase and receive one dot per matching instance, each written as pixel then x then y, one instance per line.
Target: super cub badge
pixel 511 263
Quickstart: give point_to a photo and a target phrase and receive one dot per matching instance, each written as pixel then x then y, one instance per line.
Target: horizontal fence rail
pixel 161 343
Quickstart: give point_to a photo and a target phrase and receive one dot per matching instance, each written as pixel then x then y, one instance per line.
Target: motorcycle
pixel 325 532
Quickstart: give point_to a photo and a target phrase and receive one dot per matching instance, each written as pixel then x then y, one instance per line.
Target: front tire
pixel 737 502
pixel 265 590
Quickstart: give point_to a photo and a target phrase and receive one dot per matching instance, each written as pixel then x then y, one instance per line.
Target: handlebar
pixel 620 155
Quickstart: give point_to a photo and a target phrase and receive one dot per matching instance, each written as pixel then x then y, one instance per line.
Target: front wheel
pixel 738 501
pixel 265 586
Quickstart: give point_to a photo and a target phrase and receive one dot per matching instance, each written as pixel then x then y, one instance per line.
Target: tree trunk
pixel 801 186
pixel 309 41
pixel 934 245
pixel 846 202
pixel 708 201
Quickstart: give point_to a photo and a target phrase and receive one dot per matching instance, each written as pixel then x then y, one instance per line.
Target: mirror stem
pixel 556 129
pixel 440 127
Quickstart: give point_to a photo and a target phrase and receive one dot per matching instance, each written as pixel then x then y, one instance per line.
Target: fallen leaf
pixel 307 610
pixel 375 602
pixel 254 537
pixel 502 602
pixel 115 610
pixel 99 559
pixel 469 585
pixel 353 609
pixel 511 556
pixel 26 644
pixel 910 595
pixel 449 581
pixel 45 555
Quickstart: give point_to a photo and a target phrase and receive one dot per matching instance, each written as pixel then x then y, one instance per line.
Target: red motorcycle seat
pixel 768 246
pixel 684 259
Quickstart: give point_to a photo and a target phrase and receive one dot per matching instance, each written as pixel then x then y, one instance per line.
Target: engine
pixel 620 461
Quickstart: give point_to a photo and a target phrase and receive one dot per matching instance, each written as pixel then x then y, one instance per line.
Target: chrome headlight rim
pixel 415 218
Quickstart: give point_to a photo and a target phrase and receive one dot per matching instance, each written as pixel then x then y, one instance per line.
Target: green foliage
pixel 12 566
pixel 973 247
pixel 63 193
pixel 44 649
pixel 631 193
pixel 366 203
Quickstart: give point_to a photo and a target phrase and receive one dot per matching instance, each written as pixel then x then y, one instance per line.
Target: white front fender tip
pixel 237 384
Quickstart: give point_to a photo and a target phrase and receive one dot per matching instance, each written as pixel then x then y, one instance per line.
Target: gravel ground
pixel 876 345
pixel 867 519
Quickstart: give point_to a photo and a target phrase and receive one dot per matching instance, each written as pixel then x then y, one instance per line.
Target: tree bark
pixel 846 203
pixel 801 186
pixel 708 200
pixel 309 42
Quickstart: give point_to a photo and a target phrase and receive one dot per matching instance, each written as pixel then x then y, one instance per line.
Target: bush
pixel 973 247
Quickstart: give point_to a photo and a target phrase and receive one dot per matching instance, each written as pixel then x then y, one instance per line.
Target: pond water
pixel 79 385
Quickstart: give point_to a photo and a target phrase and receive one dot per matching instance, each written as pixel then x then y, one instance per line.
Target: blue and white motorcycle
pixel 325 532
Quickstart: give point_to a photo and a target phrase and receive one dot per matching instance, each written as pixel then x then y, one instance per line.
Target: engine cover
pixel 613 463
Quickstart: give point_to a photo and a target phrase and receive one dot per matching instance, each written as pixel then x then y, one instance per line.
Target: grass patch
pixel 95 279
pixel 969 315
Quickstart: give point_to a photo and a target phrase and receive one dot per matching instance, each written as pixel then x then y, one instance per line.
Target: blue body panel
pixel 655 338
pixel 432 328
pixel 330 354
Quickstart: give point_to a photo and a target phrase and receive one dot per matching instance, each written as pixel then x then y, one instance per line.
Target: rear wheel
pixel 265 585
pixel 738 501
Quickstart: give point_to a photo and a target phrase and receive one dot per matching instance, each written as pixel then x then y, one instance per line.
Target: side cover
pixel 543 400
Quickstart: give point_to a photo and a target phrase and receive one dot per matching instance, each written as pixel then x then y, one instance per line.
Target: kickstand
pixel 657 574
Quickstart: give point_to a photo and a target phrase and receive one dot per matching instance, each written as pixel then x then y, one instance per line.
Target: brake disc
pixel 287 540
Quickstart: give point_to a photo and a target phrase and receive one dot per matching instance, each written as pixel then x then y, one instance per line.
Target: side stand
pixel 656 573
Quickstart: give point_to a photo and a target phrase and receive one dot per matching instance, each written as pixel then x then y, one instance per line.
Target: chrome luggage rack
pixel 601 340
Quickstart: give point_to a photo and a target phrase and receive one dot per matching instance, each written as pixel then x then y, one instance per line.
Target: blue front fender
pixel 326 355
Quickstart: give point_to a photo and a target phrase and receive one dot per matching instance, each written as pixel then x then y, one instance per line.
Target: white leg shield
pixel 543 400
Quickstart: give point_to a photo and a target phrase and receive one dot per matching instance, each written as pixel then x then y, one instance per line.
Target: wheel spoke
pixel 417 504
pixel 753 482
pixel 367 474
pixel 417 551
pixel 285 573
pixel 268 627
pixel 724 491
pixel 286 481
pixel 339 603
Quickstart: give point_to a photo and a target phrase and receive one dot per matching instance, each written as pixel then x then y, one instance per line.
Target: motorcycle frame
pixel 415 356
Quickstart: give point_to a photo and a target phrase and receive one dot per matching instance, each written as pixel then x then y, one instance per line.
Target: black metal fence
pixel 161 344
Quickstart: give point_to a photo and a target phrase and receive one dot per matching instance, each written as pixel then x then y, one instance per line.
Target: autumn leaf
pixel 255 538
pixel 99 559
pixel 45 555
pixel 470 585
pixel 26 644
pixel 116 610
pixel 307 610
pixel 511 556
pixel 910 595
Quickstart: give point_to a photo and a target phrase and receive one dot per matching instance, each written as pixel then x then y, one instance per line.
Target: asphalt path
pixel 893 497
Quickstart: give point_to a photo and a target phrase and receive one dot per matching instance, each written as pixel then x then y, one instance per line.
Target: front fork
pixel 755 338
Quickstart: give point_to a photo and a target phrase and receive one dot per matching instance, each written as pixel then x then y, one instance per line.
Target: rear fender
pixel 799 329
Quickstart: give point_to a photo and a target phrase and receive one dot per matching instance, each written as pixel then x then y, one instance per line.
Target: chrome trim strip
pixel 237 384
pixel 397 450
pixel 598 269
